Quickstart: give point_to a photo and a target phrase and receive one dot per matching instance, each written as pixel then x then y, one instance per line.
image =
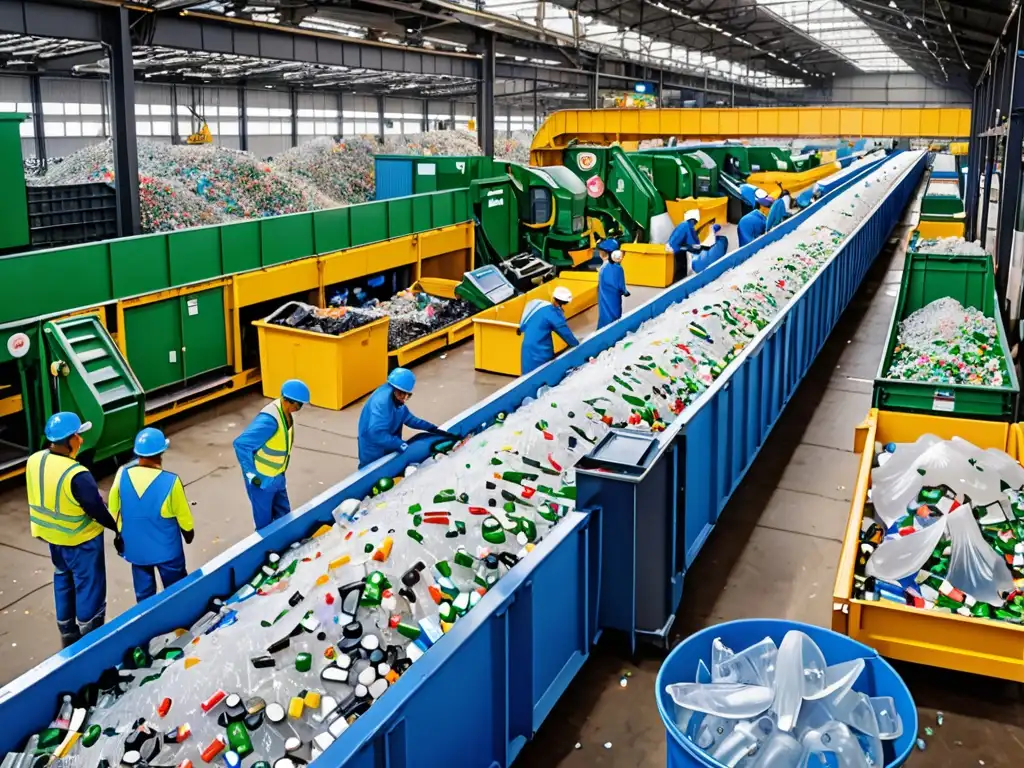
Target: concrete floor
pixel 773 553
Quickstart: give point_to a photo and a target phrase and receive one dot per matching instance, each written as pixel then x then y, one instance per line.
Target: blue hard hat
pixel 150 442
pixel 296 391
pixel 608 244
pixel 63 425
pixel 402 379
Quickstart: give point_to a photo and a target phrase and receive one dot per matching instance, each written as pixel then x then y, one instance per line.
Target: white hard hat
pixel 562 294
pixel 617 256
pixel 692 215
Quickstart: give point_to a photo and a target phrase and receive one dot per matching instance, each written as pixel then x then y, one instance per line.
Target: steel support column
pixel 989 153
pixel 536 125
pixel 175 133
pixel 380 118
pixel 485 96
pixel 243 119
pixel 596 84
pixel 1009 184
pixel 116 29
pixel 293 106
pixel 971 186
pixel 451 115
pixel 425 122
pixel 38 126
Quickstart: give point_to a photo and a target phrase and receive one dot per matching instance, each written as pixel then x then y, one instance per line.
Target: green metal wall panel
pixel 400 217
pixel 204 336
pixel 52 281
pixel 421 213
pixel 461 205
pixel 331 230
pixel 14 202
pixel 194 255
pixel 139 264
pixel 370 222
pixel 240 246
pixel 444 209
pixel 153 341
pixel 286 237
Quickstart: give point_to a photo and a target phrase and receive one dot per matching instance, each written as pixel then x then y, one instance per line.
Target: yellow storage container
pixel 944 640
pixel 648 264
pixel 935 229
pixel 338 369
pixel 497 345
pixel 716 208
pixel 441 338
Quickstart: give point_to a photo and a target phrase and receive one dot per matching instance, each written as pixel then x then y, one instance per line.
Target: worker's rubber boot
pixel 69 632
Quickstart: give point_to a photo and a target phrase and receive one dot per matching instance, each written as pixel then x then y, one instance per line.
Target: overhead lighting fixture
pixel 909 25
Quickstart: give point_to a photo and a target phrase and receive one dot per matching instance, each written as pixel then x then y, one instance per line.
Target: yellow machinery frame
pixel 603 126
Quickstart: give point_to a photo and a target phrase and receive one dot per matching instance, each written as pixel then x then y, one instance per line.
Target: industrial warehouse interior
pixel 741 486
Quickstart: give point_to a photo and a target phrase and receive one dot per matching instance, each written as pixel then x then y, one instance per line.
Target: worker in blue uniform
pixel 748 193
pixel 713 248
pixel 264 450
pixel 540 319
pixel 755 223
pixel 385 414
pixel 153 516
pixel 611 287
pixel 778 212
pixel 684 237
pixel 67 512
pixel 808 197
pixel 604 250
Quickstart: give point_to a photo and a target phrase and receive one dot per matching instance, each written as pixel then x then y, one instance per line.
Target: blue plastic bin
pixel 877 679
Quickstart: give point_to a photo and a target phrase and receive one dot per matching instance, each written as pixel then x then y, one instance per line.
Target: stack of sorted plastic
pixel 770 706
pixel 414 314
pixel 946 343
pixel 432 143
pixel 950 246
pixel 944 530
pixel 279 669
pixel 515 147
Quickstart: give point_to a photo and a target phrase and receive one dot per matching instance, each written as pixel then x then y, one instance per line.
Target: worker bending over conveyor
pixel 385 414
pixel 264 450
pixel 67 512
pixel 755 223
pixel 713 248
pixel 540 319
pixel 152 515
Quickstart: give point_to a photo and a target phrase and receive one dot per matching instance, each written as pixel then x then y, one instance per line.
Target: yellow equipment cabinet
pixel 497 345
pixel 711 208
pixel 338 369
pixel 945 640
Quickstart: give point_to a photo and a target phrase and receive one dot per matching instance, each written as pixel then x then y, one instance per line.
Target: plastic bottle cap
pixel 275 712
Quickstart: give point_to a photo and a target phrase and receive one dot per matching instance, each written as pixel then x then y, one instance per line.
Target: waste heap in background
pixel 187 186
pixel 950 246
pixel 947 343
pixel 770 706
pixel 944 530
pixel 282 667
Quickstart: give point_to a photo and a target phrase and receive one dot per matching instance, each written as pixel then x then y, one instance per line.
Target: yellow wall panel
pixel 850 122
pixel 872 125
pixel 650 121
pixel 891 122
pixel 275 282
pixel 808 122
pixel 772 120
pixel 910 122
pixel 929 123
pixel 729 122
pixel 830 122
pixel 751 123
pixel 671 122
pixel 709 122
pixel 689 122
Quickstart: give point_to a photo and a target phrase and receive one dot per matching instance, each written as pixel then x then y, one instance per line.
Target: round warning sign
pixel 595 186
pixel 586 160
pixel 18 344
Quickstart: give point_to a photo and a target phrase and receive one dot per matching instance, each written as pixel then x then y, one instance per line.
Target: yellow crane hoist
pixel 203 135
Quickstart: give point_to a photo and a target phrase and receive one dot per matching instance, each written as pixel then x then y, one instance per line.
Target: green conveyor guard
pixel 96 382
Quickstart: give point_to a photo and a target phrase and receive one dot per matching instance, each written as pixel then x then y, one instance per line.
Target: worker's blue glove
pixel 254 479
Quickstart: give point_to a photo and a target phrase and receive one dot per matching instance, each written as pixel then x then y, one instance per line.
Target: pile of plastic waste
pixel 432 143
pixel 943 530
pixel 341 171
pixel 950 246
pixel 943 188
pixel 414 314
pixel 515 147
pixel 282 667
pixel 947 343
pixel 770 706
pixel 333 320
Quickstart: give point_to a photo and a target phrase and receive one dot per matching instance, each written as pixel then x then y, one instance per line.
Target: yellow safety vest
pixel 272 459
pixel 54 514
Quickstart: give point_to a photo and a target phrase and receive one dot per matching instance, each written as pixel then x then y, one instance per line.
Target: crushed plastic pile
pixel 515 147
pixel 950 246
pixel 943 188
pixel 280 669
pixel 946 343
pixel 770 706
pixel 943 530
pixel 186 186
pixel 333 320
